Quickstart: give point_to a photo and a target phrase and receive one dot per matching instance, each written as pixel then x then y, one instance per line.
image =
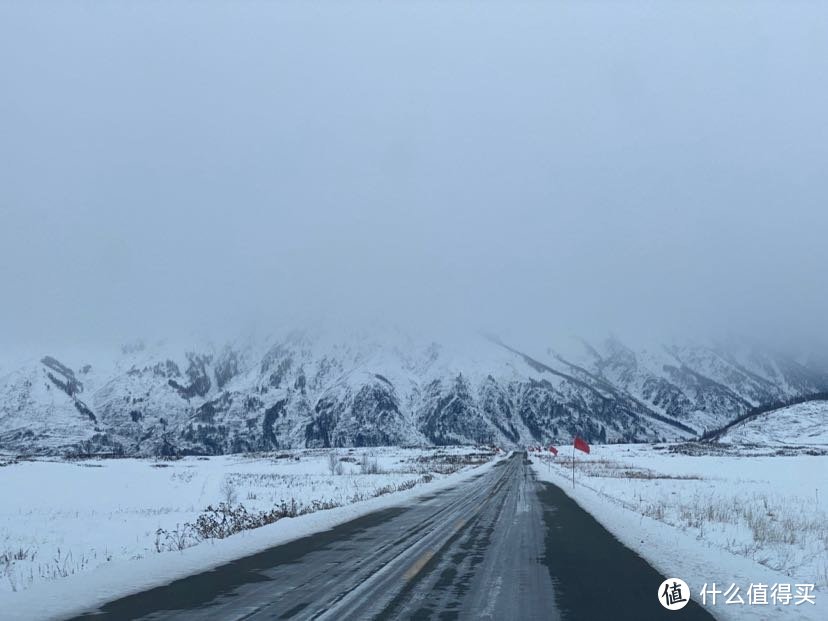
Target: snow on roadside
pixel 79 534
pixel 711 519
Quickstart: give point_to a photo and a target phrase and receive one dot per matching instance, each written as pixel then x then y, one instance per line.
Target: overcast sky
pixel 554 166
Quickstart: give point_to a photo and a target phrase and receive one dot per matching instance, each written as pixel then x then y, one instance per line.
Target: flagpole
pixel 573 464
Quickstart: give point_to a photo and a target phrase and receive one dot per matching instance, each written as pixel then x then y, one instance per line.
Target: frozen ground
pixel 71 522
pixel 726 516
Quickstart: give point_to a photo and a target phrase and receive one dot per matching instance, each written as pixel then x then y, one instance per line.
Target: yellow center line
pixel 421 562
pixel 418 565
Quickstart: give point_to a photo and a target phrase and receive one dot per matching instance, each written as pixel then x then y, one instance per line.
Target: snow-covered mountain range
pixel 310 389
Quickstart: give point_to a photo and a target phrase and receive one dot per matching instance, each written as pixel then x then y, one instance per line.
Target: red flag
pixel 553 450
pixel 581 444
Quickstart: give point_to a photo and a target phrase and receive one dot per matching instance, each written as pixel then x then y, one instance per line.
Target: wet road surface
pixel 499 546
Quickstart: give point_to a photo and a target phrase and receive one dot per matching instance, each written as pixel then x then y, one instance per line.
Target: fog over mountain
pixel 543 172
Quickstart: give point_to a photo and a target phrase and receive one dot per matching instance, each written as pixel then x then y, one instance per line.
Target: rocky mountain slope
pixel 314 390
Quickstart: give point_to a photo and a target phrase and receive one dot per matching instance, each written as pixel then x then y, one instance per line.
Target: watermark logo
pixel 674 594
pixel 758 594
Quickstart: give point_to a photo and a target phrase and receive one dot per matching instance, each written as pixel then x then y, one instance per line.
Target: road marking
pixel 421 562
pixel 418 565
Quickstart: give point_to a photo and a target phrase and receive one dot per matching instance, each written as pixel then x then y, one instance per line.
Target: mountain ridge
pixel 310 389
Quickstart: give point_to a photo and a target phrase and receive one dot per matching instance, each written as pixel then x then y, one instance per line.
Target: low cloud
pixel 531 169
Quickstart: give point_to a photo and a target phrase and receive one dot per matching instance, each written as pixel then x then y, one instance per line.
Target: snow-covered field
pixel 721 516
pixel 66 521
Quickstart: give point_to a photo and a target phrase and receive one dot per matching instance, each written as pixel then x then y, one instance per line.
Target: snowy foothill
pixel 75 534
pixel 708 514
pixel 792 425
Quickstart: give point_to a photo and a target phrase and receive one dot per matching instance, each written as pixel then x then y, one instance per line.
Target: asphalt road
pixel 500 546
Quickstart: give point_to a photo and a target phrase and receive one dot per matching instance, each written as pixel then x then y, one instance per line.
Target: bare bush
pixel 442 463
pixel 19 554
pixel 224 520
pixel 333 462
pixel 368 465
pixel 385 489
pixel 181 537
pixel 228 491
